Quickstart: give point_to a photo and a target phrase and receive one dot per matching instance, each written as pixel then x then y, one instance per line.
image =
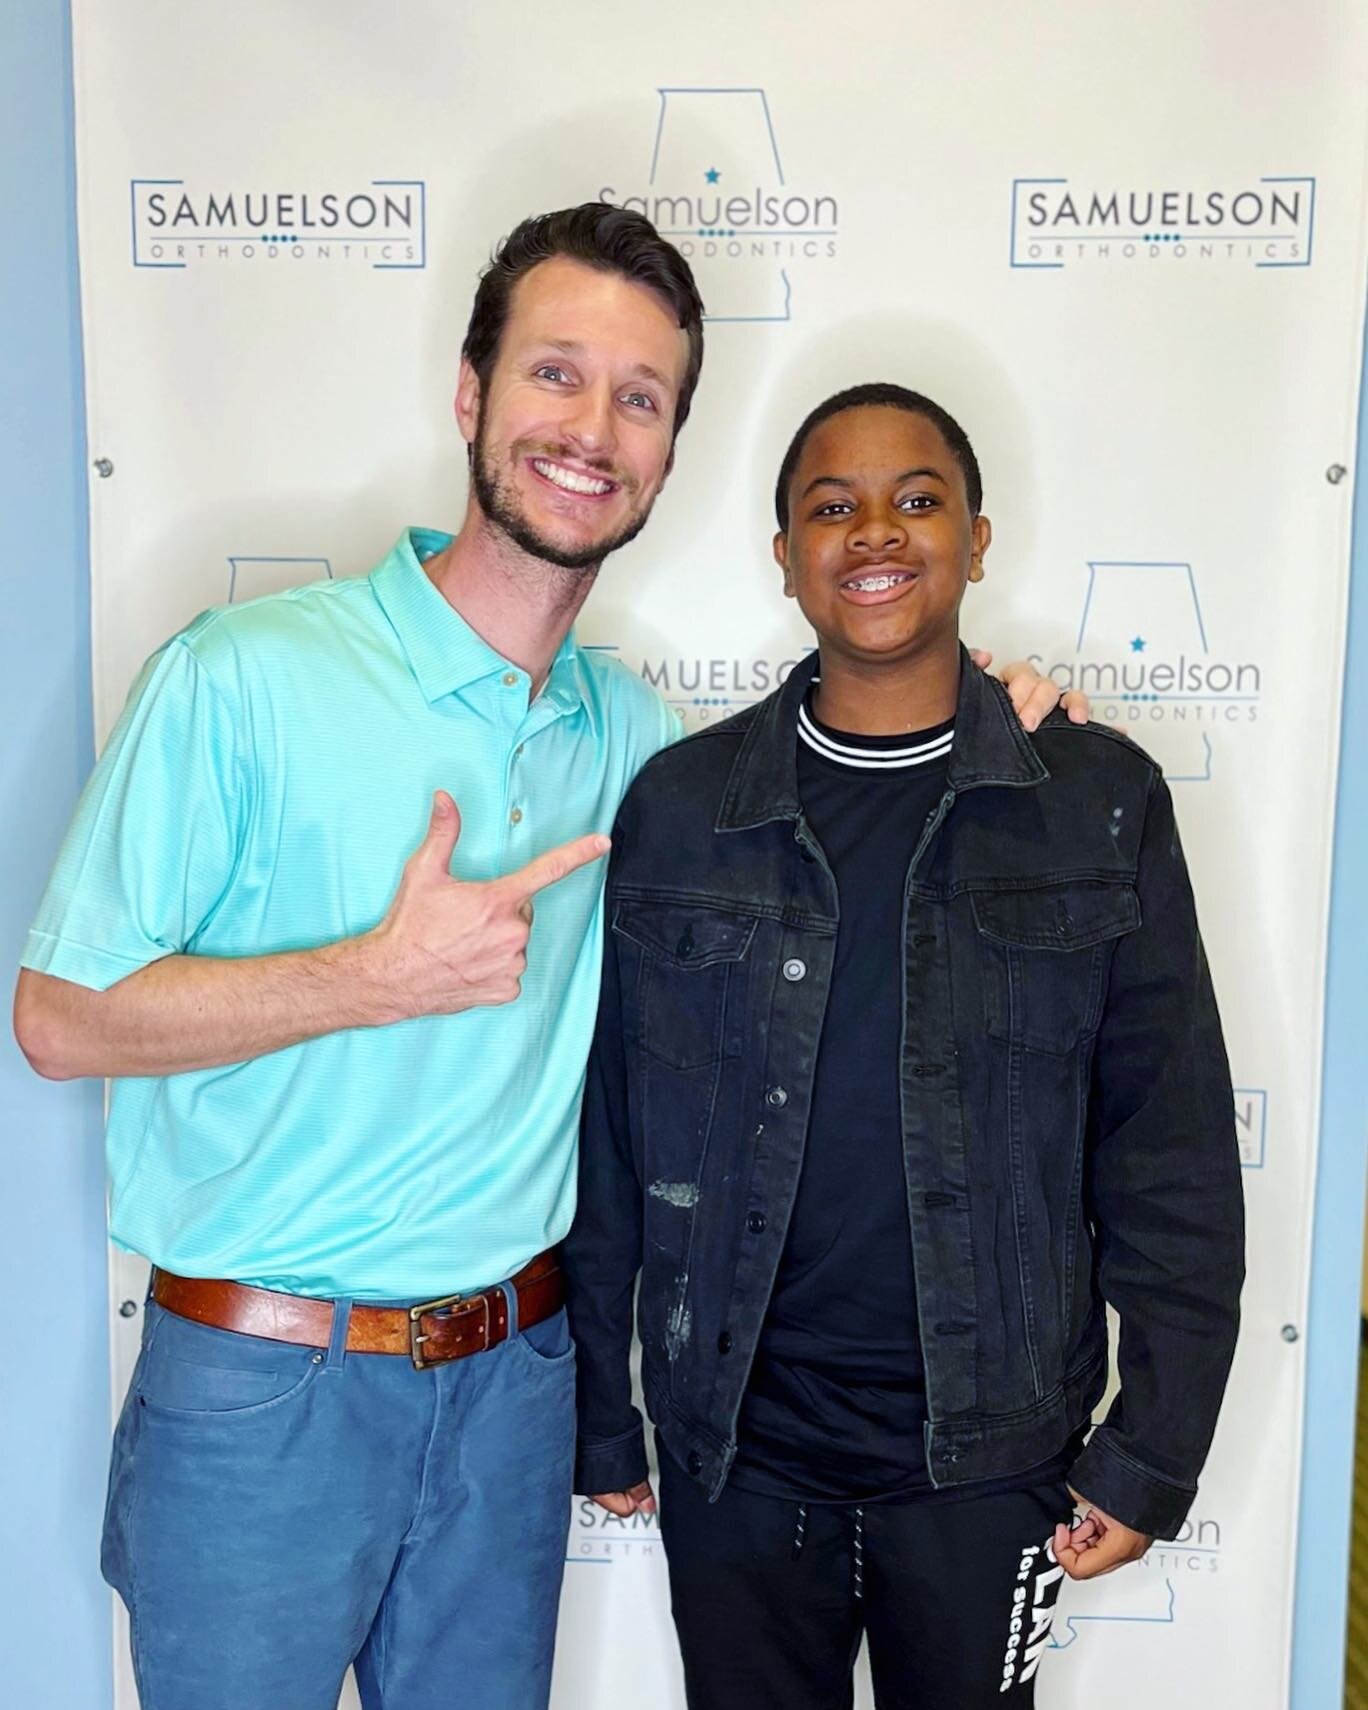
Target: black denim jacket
pixel 1068 1122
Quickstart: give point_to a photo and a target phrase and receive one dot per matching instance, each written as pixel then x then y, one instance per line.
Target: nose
pixel 590 424
pixel 878 531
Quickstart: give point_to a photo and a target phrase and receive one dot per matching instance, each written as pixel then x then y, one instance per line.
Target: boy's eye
pixel 918 501
pixel 836 508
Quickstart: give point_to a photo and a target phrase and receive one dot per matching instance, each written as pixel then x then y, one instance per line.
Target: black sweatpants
pixel 771 1598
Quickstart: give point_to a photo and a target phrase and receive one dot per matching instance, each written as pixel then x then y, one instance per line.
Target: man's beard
pixel 500 504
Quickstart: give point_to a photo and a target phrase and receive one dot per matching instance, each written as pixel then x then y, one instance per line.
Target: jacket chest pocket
pixel 690 956
pixel 1045 955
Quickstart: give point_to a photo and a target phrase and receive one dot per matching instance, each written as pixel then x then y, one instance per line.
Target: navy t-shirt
pixel 836 1403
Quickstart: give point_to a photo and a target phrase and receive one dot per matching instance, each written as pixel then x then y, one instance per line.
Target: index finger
pixel 558 864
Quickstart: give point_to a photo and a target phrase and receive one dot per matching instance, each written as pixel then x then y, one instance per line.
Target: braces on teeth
pixel 875 584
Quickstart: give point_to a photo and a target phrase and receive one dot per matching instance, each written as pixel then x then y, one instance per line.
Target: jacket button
pixel 724 1342
pixel 755 1222
pixel 695 1462
pixel 795 968
pixel 777 1097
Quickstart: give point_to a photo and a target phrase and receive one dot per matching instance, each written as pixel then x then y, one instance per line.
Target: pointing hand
pixel 450 944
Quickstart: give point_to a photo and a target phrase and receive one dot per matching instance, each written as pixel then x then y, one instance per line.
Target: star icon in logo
pixel 1138 644
pixel 712 175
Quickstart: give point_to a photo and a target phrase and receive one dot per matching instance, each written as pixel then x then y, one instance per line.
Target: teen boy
pixel 907 1063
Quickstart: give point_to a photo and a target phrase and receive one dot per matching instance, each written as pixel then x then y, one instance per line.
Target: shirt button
pixel 777 1097
pixel 518 750
pixel 695 1462
pixel 724 1342
pixel 510 679
pixel 755 1222
pixel 795 968
pixel 516 816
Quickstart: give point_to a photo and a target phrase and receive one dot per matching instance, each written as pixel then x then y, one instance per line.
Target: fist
pixel 1097 1543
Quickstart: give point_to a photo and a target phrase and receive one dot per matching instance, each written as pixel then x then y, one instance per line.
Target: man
pixel 907 1062
pixel 345 1081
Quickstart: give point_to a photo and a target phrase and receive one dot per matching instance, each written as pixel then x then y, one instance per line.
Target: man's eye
pixel 639 400
pixel 550 371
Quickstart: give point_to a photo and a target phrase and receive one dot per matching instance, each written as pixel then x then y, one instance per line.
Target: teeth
pixel 568 479
pixel 875 584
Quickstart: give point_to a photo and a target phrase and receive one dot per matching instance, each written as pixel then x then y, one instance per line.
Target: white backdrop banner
pixel 1124 245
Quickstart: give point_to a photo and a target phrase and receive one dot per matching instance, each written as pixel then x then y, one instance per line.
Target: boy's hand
pixel 1033 695
pixel 1096 1544
pixel 639 1499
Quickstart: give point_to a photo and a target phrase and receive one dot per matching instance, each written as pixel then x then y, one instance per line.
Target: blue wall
pixel 54 1424
pixel 1333 1348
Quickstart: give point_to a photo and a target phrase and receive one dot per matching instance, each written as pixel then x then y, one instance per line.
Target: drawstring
pixel 800 1538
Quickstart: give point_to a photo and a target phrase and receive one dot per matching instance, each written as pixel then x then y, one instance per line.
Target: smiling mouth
pixel 572 480
pixel 878 584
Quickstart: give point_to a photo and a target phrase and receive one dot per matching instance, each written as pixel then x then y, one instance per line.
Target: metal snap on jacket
pixel 695 1462
pixel 755 1222
pixel 777 1097
pixel 795 968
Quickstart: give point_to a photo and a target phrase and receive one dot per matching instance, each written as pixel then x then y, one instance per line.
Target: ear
pixel 781 559
pixel 982 537
pixel 467 401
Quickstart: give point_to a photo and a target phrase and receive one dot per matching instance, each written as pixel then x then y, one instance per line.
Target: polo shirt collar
pixel 444 652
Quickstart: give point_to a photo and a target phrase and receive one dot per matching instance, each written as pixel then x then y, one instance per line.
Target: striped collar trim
pixel 919 753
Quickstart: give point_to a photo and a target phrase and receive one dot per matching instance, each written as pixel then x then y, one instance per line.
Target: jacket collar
pixel 990 747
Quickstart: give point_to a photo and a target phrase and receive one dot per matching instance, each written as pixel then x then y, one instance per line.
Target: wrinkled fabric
pixel 771 1599
pixel 1068 1135
pixel 276 1513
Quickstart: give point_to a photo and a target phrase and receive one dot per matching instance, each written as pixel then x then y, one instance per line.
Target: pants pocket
pixel 193 1370
pixel 548 1344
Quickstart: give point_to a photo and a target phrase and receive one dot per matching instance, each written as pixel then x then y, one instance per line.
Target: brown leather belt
pixel 430 1333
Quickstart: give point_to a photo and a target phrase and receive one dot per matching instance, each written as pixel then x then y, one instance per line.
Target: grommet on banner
pixel 1290 1333
pixel 103 468
pixel 127 1308
pixel 1335 474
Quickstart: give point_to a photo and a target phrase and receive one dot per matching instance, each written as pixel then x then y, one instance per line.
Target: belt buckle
pixel 445 1304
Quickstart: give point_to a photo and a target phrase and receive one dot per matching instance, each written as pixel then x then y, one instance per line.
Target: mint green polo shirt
pixel 271 773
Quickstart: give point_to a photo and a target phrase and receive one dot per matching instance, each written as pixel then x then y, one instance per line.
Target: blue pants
pixel 277 1513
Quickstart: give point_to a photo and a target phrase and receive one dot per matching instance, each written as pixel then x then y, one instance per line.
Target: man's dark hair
pixel 617 240
pixel 884 392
